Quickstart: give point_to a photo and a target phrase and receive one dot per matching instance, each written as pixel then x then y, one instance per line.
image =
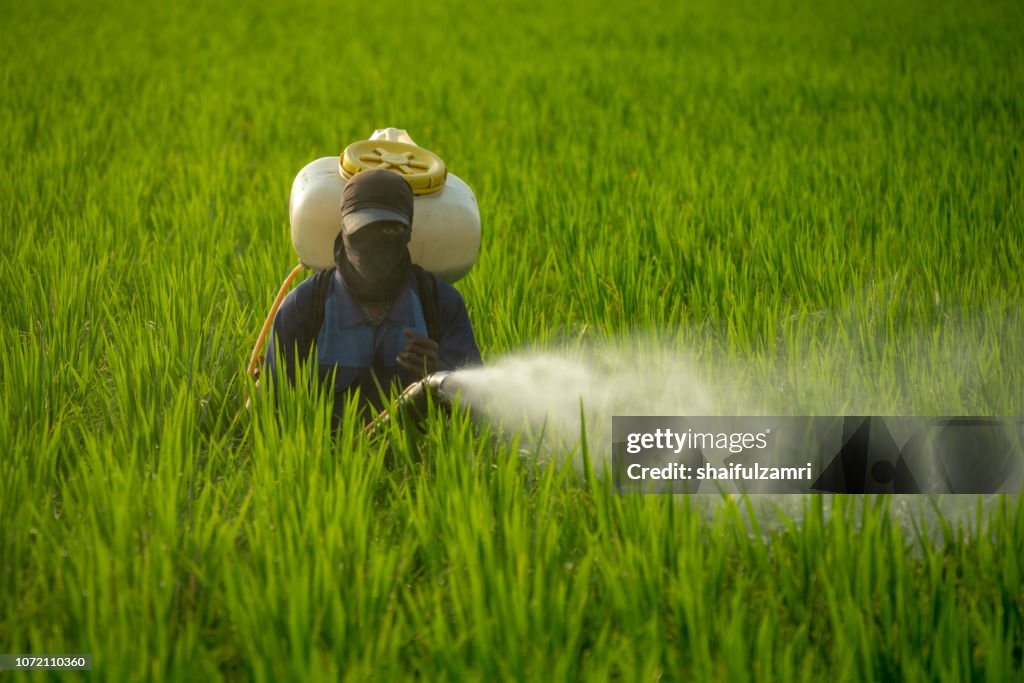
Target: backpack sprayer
pixel 446 219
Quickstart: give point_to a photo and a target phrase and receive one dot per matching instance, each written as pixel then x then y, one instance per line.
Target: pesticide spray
pixel 550 399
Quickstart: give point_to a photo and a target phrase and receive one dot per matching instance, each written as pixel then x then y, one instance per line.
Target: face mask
pixel 375 262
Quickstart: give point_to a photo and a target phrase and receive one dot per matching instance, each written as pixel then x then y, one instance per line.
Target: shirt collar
pixel 351 314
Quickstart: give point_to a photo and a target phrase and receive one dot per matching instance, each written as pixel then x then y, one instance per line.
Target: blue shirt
pixel 359 355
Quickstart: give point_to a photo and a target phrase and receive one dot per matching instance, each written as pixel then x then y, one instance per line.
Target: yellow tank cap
pixel 422 169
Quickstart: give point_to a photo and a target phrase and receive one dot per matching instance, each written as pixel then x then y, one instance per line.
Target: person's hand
pixel 420 354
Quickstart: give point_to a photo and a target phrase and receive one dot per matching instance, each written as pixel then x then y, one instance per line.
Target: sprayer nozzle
pixel 412 404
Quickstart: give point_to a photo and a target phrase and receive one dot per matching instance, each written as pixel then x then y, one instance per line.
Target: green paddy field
pixel 820 204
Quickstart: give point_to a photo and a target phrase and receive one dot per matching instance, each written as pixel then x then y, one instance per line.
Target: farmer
pixel 369 317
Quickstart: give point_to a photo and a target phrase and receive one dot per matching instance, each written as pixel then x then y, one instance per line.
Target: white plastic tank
pixel 446 219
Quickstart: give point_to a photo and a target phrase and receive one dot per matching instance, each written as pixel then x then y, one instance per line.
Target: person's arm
pixel 457 346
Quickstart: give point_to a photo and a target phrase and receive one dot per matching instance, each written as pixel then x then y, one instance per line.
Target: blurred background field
pixel 819 206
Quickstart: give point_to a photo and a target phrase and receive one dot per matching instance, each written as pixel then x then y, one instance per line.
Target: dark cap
pixel 375 195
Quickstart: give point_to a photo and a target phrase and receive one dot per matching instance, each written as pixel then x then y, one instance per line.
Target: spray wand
pixel 440 388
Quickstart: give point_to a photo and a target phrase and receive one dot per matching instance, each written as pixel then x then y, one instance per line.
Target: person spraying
pixel 374 321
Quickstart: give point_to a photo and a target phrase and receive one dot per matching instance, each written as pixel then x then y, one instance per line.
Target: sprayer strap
pixel 428 299
pixel 321 284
